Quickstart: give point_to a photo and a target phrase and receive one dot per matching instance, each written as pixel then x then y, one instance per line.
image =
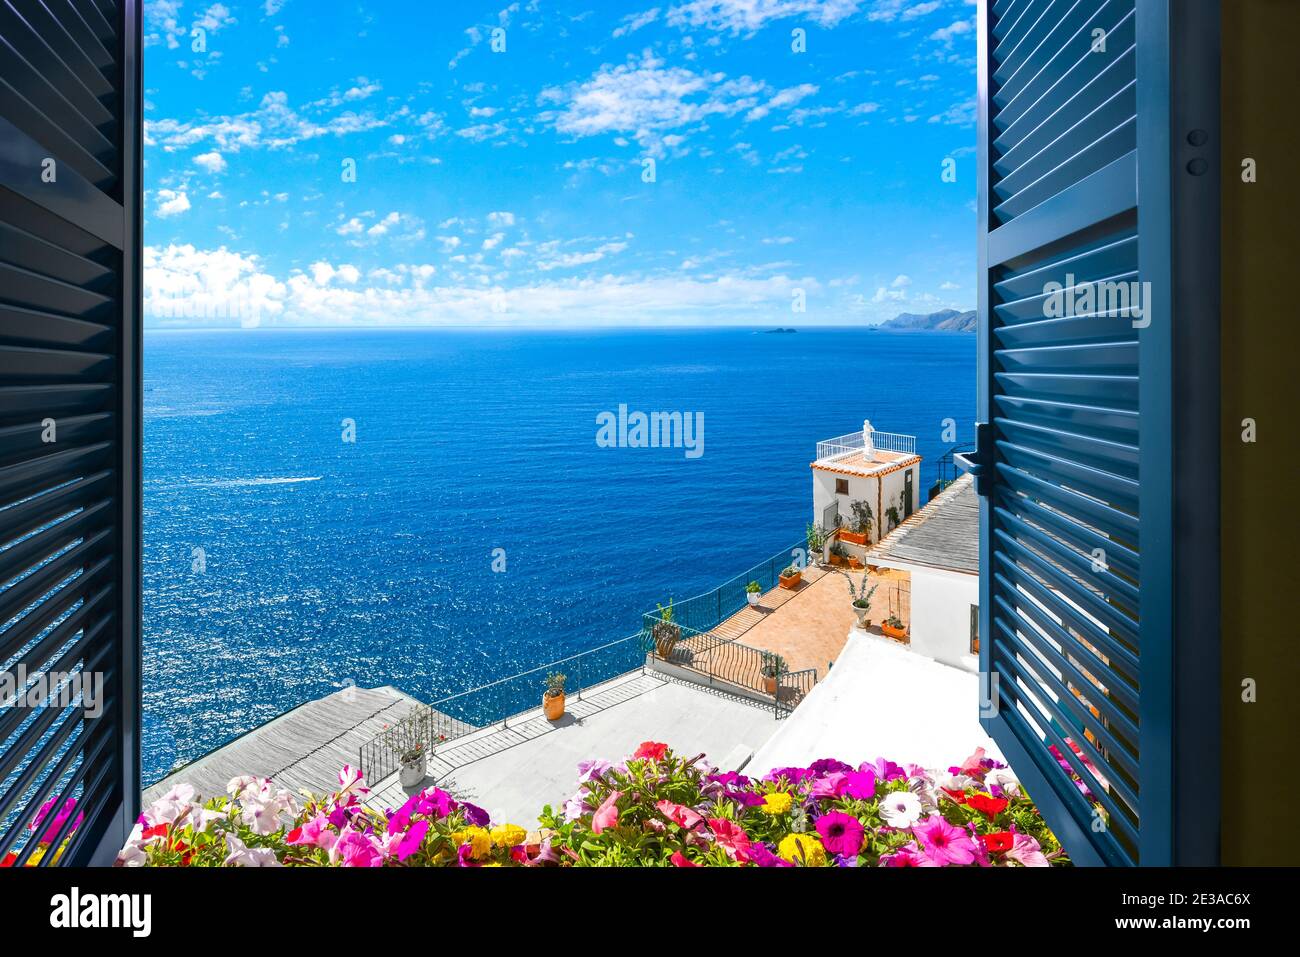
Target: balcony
pixel 864 452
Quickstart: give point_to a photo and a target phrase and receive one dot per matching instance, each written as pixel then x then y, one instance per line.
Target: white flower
pixel 241 855
pixel 900 808
pixel 1005 779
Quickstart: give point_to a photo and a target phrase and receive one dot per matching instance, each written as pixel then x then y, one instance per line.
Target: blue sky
pixel 508 186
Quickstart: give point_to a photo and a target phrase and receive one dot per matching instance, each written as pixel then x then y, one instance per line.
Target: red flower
pixel 958 796
pixel 678 858
pixel 9 860
pixel 999 842
pixel 652 750
pixel 991 807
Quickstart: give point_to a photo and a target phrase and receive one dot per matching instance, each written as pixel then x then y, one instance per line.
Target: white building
pixel 939 549
pixel 878 469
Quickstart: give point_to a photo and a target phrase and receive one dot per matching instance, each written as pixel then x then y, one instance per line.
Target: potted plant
pixel 408 740
pixel 666 632
pixel 862 600
pixel 791 577
pixel 839 555
pixel 771 668
pixel 753 592
pixel 816 536
pixel 553 698
pixel 860 530
pixel 893 627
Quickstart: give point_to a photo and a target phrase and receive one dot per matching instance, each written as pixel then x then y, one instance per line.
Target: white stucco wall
pixel 941 603
pixel 869 488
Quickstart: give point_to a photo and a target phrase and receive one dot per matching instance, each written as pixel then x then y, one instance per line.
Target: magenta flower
pixel 859 785
pixel 411 840
pixel 829 766
pixel 763 857
pixel 883 769
pixel 434 802
pixel 909 855
pixel 944 843
pixel 841 833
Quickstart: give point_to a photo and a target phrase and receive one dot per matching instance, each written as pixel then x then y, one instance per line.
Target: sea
pixel 436 509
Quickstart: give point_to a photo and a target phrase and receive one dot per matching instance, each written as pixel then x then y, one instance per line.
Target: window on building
pixel 974 629
pixel 841 486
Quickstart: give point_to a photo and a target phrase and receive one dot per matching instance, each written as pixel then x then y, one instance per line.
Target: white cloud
pixel 215 18
pixel 787 97
pixel 948 286
pixel 888 11
pixel 219 287
pixel 273 125
pixel 945 35
pixel 501 218
pixel 213 162
pixel 749 16
pixel 646 99
pixel 172 202
pixel 635 21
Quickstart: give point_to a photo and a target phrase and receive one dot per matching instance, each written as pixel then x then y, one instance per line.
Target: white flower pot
pixel 752 597
pixel 411 773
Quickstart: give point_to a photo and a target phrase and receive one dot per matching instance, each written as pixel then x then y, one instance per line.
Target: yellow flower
pixel 778 802
pixel 802 849
pixel 508 835
pixel 479 840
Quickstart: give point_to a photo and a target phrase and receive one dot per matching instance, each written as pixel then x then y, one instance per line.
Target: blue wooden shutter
pixel 1086 177
pixel 69 416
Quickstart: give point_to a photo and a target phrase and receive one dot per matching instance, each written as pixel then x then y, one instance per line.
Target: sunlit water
pixel 325 562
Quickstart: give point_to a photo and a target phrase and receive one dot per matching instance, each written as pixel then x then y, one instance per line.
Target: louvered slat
pixel 69 480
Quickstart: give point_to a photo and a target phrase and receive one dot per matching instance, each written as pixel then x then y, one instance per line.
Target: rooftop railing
pixel 845 445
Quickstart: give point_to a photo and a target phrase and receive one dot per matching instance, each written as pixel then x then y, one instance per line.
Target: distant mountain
pixel 948 320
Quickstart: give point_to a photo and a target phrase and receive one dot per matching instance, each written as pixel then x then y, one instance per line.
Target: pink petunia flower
pixel 944 843
pixel 679 814
pixel 607 814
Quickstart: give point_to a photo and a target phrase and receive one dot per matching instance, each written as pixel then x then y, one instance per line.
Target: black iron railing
pixel 728 665
pixel 497 702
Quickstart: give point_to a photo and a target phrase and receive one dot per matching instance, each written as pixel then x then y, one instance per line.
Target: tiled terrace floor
pixel 809 625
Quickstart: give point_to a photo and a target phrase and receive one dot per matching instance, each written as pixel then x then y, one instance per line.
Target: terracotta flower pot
pixel 856 538
pixel 855 563
pixel 553 705
pixel 892 632
pixel 769 684
pixel 792 581
pixel 839 561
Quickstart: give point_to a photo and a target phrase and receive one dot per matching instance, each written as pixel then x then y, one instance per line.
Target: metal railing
pixel 500 701
pixel 851 444
pixel 722 662
pixel 706 611
pixel 946 471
